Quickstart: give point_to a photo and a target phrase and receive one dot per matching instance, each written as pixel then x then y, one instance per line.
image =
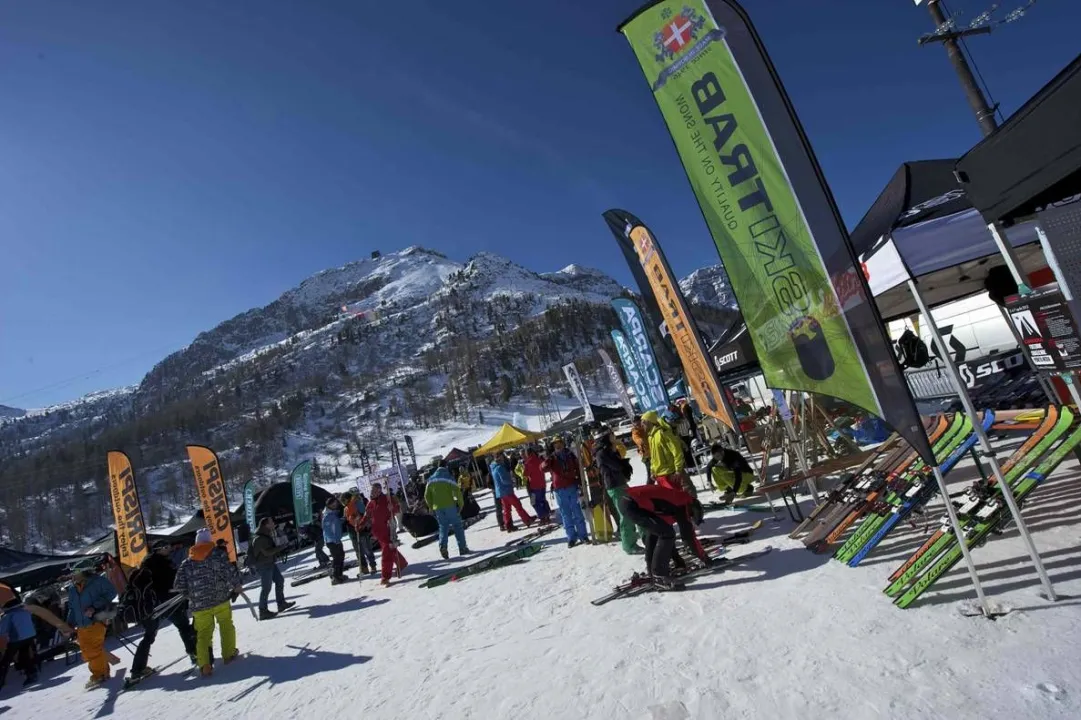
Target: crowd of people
pixel 588 475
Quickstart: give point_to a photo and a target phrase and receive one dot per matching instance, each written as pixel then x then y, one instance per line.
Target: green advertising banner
pixel 767 207
pixel 302 493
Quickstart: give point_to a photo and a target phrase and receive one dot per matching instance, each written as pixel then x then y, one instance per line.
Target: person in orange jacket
pixel 359 535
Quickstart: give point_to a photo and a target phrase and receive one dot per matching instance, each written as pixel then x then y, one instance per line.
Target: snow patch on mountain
pixel 709 286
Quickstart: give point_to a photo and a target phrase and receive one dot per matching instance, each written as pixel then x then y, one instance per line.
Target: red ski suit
pixel 672 506
pixel 379 513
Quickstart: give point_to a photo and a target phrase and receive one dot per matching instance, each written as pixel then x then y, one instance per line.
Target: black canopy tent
pixel 923 225
pixel 1034 159
pixel 28 570
pixel 576 417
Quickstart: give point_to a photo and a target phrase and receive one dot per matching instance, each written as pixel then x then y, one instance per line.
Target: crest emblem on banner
pixel 678 32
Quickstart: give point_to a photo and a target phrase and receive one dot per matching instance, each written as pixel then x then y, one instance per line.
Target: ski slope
pixel 793 635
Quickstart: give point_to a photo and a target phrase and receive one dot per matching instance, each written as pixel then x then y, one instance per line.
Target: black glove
pixel 233 596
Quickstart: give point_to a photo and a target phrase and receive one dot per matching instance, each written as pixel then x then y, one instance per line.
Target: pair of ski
pixel 532 535
pixel 640 584
pixel 866 491
pixel 740 537
pixel 319 573
pixel 985 510
pixel 900 502
pixel 510 556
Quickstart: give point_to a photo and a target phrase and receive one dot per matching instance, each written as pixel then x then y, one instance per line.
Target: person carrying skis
pixel 148 587
pixel 18 631
pixel 360 534
pixel 534 473
pixel 89 598
pixel 616 472
pixel 263 558
pixel 503 489
pixel 729 472
pixel 210 582
pixel 380 513
pixel 676 507
pixel 444 498
pixel 563 466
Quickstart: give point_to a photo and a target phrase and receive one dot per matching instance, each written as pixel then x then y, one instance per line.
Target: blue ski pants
pixel 570 511
pixel 450 520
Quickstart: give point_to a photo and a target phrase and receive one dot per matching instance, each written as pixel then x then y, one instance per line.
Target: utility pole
pixel 946 32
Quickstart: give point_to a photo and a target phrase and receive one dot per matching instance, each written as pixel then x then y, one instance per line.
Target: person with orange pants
pixel 379 514
pixel 503 489
pixel 89 596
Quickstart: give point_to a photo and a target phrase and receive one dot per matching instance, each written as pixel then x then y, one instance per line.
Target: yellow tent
pixel 507 436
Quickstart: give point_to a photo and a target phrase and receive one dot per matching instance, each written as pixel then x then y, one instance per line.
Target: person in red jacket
pixel 566 483
pixel 654 509
pixel 534 477
pixel 380 513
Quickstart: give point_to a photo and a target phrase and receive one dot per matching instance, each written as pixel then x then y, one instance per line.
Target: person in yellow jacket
pixel 666 458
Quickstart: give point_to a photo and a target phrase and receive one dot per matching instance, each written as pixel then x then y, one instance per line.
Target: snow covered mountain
pixel 709 286
pixel 10 412
pixel 349 358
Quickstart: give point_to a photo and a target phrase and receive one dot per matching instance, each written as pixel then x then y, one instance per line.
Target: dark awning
pixel 1034 158
pixel 919 190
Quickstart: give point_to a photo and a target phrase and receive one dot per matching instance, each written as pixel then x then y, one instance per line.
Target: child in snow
pixel 17 631
pixel 210 582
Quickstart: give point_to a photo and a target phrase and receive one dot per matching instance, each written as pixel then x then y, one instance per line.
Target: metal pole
pixel 985 444
pixel 1008 254
pixel 985 114
pixel 951 511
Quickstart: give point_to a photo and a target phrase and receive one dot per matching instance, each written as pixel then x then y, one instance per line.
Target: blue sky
pixel 166 165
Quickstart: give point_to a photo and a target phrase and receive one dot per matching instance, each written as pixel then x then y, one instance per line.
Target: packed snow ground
pixel 791 635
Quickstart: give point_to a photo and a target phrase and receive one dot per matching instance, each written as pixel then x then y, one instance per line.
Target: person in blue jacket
pixel 503 489
pixel 332 536
pixel 89 599
pixel 17 627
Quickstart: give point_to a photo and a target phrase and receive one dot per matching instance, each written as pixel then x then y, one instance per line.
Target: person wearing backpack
pixel 149 586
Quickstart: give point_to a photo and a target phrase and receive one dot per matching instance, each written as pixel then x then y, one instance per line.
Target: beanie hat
pixel 202 536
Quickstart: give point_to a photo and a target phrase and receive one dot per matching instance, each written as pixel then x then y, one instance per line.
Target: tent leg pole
pixel 1006 250
pixel 801 458
pixel 985 444
pixel 951 511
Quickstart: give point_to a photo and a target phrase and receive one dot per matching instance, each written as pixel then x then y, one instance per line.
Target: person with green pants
pixel 615 472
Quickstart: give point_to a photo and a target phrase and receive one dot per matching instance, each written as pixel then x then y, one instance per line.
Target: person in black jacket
pixel 615 472
pixel 262 557
pixel 150 586
pixel 730 472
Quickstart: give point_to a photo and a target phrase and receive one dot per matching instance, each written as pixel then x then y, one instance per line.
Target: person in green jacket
pixel 444 498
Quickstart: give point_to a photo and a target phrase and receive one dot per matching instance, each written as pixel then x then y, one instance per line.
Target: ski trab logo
pixel 812 350
pixel 678 32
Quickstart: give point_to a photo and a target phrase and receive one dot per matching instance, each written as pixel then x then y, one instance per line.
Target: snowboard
pixel 640 584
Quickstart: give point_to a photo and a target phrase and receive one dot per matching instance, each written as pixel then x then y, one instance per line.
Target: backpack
pixel 139 599
pixel 913 351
